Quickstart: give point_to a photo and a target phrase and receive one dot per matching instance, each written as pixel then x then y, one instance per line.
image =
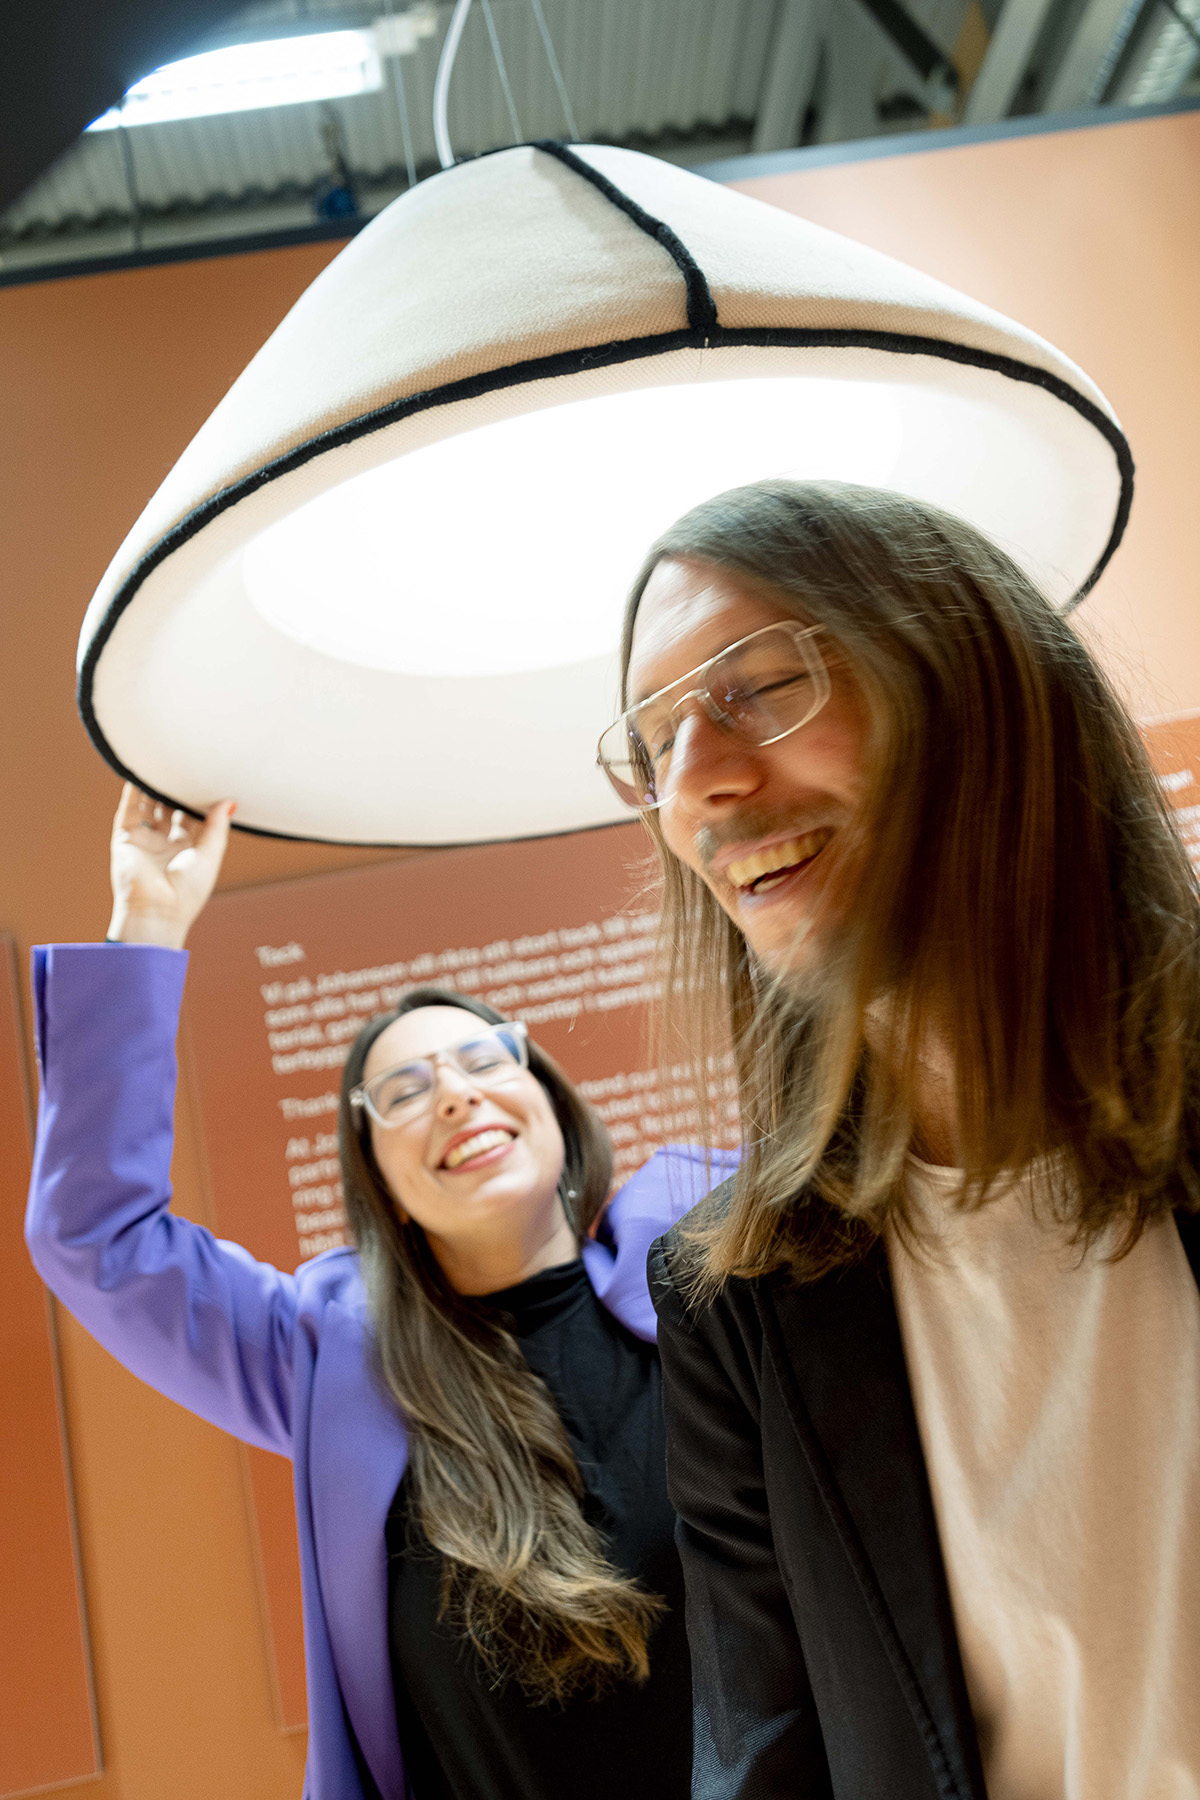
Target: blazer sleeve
pixel 756 1731
pixel 196 1318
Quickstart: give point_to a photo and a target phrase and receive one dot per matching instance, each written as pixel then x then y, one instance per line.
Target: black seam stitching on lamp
pixel 540 368
pixel 702 316
pixel 701 307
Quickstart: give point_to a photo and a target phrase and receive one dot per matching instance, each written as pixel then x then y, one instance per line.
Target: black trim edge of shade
pixel 701 307
pixel 568 362
pixel 295 837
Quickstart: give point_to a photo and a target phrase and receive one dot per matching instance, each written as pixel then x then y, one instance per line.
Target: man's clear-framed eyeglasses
pixel 497 1054
pixel 760 689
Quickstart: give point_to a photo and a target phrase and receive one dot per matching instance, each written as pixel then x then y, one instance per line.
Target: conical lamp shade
pixel 378 598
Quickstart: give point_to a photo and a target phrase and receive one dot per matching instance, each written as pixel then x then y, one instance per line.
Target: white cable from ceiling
pixel 401 95
pixel 445 69
pixel 441 84
pixel 563 96
pixel 502 71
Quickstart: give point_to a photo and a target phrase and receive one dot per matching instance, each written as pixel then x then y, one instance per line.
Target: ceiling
pixel 691 80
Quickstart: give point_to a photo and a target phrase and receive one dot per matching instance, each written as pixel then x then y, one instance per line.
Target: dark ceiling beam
pixel 913 42
pixel 64 62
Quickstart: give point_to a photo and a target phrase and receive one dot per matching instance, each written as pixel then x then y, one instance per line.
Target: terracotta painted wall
pixel 1091 237
pixel 103 380
pixel 48 1723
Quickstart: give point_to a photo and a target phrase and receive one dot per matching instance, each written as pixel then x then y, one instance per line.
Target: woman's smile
pixel 478 1147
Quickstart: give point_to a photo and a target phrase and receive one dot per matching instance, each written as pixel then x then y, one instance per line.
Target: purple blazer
pixel 279 1360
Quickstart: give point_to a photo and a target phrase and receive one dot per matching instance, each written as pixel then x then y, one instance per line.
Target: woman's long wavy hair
pixel 1012 898
pixel 494 1484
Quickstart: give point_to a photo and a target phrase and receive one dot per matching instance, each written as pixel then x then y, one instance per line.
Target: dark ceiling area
pixel 65 62
pixel 695 81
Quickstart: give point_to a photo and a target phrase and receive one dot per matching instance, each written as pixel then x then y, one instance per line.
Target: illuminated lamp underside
pixel 378 599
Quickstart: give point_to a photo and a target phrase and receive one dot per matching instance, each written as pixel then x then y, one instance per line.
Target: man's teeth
pixel 750 871
pixel 475 1146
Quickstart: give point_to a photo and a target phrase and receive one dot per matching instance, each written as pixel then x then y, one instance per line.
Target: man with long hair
pixel 932 1359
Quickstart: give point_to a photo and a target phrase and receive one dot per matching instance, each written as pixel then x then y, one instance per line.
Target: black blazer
pixel 824 1655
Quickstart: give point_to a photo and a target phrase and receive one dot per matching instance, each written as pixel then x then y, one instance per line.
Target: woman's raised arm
pixel 197 1318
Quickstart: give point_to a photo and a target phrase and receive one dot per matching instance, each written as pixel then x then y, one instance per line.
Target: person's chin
pixel 783 939
pixel 509 1183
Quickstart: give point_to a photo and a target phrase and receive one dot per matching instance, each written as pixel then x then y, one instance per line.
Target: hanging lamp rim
pixel 703 332
pixel 567 363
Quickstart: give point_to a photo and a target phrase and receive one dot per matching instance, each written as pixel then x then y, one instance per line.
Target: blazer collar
pixel 837 1355
pixel 1188 1225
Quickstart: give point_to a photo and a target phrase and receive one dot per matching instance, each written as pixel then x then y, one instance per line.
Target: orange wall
pixel 1091 237
pixel 104 379
pixel 48 1735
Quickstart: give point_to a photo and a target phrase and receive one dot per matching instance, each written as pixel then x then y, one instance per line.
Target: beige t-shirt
pixel 1058 1403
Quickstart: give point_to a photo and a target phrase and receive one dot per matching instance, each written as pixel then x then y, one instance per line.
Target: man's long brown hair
pixel 494 1484
pixel 1012 893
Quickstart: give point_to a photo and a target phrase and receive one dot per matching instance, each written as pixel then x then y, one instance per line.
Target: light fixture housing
pixel 378 598
pixel 278 71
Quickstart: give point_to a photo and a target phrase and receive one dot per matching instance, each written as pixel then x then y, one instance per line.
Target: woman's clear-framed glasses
pixel 493 1056
pixel 760 689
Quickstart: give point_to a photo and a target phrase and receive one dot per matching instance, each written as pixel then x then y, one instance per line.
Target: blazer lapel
pixel 363 1453
pixel 836 1350
pixel 1188 1225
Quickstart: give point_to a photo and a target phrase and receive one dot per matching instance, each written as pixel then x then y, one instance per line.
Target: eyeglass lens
pixel 496 1056
pixel 760 689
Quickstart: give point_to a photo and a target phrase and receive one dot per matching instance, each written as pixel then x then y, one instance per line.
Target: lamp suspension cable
pixel 131 186
pixel 501 71
pixel 445 69
pixel 441 84
pixel 556 71
pixel 410 161
pixel 397 62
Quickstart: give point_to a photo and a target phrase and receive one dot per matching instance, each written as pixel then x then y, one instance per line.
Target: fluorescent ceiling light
pixel 322 65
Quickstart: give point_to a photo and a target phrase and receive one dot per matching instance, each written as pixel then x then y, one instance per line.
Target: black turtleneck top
pixel 464 1740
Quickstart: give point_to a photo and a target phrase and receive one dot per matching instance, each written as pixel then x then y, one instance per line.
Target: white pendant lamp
pixel 378 598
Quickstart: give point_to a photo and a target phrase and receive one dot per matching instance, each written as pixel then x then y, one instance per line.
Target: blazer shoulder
pixel 675 1260
pixel 676 1256
pixel 1188 1226
pixel 679 1247
pixel 674 1180
pixel 332 1279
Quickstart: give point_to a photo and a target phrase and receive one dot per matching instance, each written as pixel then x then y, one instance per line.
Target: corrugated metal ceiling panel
pixel 631 70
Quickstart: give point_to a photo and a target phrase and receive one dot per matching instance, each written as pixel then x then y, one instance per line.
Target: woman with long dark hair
pixel 470 1395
